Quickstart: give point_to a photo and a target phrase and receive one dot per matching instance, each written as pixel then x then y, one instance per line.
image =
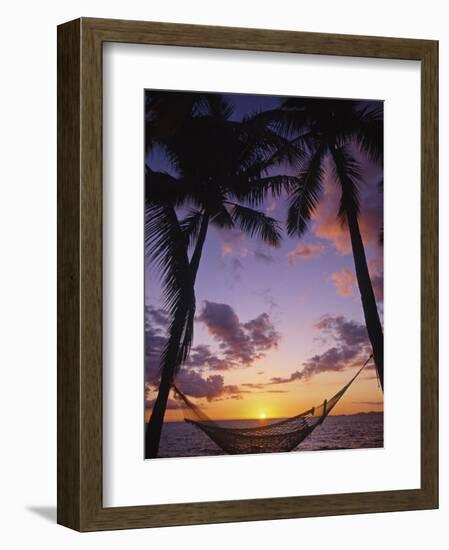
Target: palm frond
pixel 190 226
pixel 347 171
pixel 161 187
pixel 218 106
pixel 222 218
pixel 288 120
pixel 307 193
pixel 262 148
pixel 369 134
pixel 256 223
pixel 165 114
pixel 166 248
pixel 255 192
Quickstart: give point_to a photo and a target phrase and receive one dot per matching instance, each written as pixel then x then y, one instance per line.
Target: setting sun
pixel 262 416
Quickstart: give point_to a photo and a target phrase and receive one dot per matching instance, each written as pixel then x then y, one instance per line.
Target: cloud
pixel 342 330
pixel 157 317
pixel 368 402
pixel 236 267
pixel 236 264
pixel 262 386
pixel 305 252
pixel 240 343
pixel 349 348
pixel 262 333
pixel 327 225
pixel 334 359
pixel 297 375
pixel 263 257
pixel 156 324
pixel 344 282
pixel 267 295
pixel 193 384
pixel 172 404
pixel 226 249
pixel 224 325
pixel 233 242
pixel 212 387
pixel 201 357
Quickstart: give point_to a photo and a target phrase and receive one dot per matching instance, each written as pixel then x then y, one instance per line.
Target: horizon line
pixel 278 417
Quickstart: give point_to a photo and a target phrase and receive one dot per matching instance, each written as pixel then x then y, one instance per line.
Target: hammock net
pixel 275 437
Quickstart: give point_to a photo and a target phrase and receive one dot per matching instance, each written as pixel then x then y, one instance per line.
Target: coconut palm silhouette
pixel 221 171
pixel 329 131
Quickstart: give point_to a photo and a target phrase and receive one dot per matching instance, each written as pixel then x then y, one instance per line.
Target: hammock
pixel 276 437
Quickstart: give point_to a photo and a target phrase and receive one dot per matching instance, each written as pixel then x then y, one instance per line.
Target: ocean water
pixel 359 431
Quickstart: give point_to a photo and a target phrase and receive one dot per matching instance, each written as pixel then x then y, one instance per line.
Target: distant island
pixel 359 413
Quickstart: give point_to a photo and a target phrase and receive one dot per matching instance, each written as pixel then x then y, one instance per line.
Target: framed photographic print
pixel 247 288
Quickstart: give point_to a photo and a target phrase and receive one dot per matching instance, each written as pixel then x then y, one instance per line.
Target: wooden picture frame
pixel 80 504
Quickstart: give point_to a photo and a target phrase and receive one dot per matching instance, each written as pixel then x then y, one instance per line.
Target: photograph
pixel 263 274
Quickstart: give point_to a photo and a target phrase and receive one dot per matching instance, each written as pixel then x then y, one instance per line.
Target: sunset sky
pixel 277 329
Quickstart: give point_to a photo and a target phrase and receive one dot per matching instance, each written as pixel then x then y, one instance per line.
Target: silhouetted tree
pixel 221 174
pixel 328 131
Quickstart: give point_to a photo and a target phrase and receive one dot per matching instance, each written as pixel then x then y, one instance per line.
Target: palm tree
pixel 222 174
pixel 330 131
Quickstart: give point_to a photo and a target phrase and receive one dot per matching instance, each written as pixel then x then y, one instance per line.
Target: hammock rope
pixel 278 436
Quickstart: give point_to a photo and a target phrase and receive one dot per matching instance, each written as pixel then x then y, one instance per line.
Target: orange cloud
pixel 305 251
pixel 328 226
pixel 227 249
pixel 344 282
pixel 233 242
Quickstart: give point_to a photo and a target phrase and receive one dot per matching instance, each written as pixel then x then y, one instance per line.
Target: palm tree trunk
pixel 154 426
pixel 168 371
pixel 369 305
